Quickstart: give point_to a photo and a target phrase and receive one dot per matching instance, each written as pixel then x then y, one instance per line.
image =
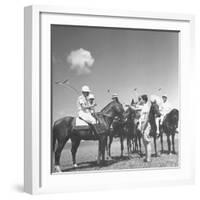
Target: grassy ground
pixel 87 155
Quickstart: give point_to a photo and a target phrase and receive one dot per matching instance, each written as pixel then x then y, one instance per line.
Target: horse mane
pixel 105 109
pixel 173 113
pixel 152 116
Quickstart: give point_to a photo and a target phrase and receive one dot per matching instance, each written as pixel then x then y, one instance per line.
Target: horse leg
pixel 135 144
pixel 109 146
pixel 75 145
pixel 122 145
pixel 127 142
pixel 173 143
pixel 161 141
pixel 169 144
pixel 61 144
pixel 104 141
pixel 99 153
pixel 155 146
pixel 128 146
pixel 140 145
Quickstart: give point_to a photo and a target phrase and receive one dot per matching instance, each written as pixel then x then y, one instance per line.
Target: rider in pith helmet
pixel 92 103
pixel 91 96
pixel 165 108
pixel 84 107
pixel 115 97
pixel 85 88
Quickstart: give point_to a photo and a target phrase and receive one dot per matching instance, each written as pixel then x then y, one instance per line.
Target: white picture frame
pixel 37 131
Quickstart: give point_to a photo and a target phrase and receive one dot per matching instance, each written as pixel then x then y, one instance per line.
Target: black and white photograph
pixel 114 99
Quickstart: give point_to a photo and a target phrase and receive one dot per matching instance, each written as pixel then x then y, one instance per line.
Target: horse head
pixel 114 109
pixel 154 112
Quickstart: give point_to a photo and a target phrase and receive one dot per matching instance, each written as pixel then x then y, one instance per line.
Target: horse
pixel 128 130
pixel 64 129
pixel 169 126
pixel 153 113
pixel 117 130
pixel 133 134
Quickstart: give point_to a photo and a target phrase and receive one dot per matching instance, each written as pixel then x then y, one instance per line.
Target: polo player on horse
pixel 86 111
pixel 84 106
pixel 165 108
pixel 92 103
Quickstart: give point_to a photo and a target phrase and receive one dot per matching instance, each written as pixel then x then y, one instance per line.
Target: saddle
pixel 80 124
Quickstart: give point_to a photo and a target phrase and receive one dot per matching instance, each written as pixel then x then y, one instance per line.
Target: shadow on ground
pixel 93 164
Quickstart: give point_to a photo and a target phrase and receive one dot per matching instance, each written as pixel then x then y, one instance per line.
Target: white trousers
pixel 147 142
pixel 87 117
pixel 162 118
pixel 159 119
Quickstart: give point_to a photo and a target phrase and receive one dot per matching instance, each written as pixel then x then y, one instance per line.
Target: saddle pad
pixel 80 122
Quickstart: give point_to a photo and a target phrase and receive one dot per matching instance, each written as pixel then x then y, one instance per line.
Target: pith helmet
pixel 91 96
pixel 85 88
pixel 114 95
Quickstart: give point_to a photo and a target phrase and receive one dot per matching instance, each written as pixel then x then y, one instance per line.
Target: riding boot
pixel 95 130
pixel 98 129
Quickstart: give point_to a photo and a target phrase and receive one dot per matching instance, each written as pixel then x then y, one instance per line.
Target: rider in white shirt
pixel 92 103
pixel 165 108
pixel 84 107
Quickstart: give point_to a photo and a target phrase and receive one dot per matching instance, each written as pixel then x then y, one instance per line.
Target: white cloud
pixel 81 61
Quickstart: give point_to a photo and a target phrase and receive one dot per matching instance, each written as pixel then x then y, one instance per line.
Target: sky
pixel 115 59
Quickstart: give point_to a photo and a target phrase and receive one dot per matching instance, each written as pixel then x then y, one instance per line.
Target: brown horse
pixel 126 129
pixel 117 130
pixel 133 133
pixel 63 130
pixel 169 126
pixel 153 113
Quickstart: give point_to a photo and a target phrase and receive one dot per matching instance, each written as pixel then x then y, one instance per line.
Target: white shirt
pixel 165 108
pixel 144 111
pixel 81 102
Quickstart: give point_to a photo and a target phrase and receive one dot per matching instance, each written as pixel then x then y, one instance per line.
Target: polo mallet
pixel 136 94
pixel 66 84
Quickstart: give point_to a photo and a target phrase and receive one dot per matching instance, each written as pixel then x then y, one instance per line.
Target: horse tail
pixel 54 137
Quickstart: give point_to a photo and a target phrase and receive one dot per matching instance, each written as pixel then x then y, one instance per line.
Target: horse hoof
pixel 57 169
pixel 75 165
pixel 147 160
pixel 156 155
pixel 109 158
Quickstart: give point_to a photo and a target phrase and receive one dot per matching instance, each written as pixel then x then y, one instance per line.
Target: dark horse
pixel 153 113
pixel 133 134
pixel 126 129
pixel 117 130
pixel 63 130
pixel 169 126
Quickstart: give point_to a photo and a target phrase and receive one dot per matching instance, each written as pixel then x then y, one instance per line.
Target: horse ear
pixel 132 102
